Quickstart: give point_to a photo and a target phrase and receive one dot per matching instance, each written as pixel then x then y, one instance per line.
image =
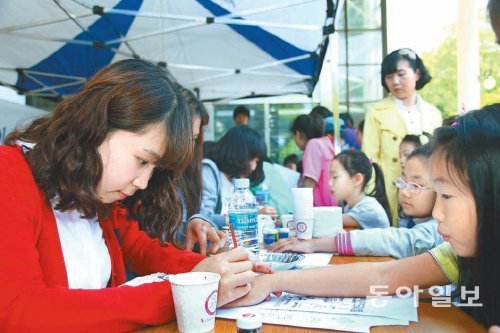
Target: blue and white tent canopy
pixel 222 49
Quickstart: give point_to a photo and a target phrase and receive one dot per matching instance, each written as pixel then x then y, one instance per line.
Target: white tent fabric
pixel 222 49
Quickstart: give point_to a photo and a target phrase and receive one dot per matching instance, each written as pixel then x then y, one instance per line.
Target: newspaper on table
pixel 337 313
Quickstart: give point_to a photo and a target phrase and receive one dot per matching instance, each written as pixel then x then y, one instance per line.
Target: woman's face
pixel 455 209
pixel 252 165
pixel 402 83
pixel 196 127
pixel 128 161
pixel 419 205
pixel 405 149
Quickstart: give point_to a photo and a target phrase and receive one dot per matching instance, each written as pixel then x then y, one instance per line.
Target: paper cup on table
pixel 288 222
pixel 302 200
pixel 304 227
pixel 195 300
pixel 327 221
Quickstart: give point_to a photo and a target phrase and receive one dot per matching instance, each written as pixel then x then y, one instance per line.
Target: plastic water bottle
pixel 242 213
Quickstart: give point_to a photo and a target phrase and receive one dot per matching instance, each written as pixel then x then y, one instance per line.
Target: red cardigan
pixel 34 294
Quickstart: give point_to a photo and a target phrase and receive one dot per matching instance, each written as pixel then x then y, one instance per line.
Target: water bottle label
pixel 245 228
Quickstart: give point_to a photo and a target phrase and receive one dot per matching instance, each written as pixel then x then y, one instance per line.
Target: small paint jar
pixel 283 233
pixel 249 323
pixel 270 236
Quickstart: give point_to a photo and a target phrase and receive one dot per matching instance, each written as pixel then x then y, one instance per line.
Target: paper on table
pixel 315 320
pixel 351 323
pixel 313 260
pixel 390 306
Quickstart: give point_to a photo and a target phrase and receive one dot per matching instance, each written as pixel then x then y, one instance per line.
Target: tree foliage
pixel 442 64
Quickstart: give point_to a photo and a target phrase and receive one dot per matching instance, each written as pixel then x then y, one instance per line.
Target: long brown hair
pixel 128 95
pixel 190 180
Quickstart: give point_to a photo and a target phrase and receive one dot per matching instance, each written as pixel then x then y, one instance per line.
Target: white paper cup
pixel 195 300
pixel 304 228
pixel 327 221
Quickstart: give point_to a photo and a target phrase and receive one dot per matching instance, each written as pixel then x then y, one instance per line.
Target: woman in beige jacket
pixel 402 112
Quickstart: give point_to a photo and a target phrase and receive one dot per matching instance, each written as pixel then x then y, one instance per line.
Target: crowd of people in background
pixel 121 168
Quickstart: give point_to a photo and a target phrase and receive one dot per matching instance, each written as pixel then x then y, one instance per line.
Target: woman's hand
pixel 200 231
pixel 261 291
pixel 236 273
pixel 266 210
pixel 294 245
pixel 494 329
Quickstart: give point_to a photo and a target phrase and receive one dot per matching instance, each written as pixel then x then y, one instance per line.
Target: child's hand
pixel 294 245
pixel 260 291
pixel 266 210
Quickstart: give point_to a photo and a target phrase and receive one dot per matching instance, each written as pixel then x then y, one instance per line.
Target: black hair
pixel 357 162
pixel 241 110
pixel 410 138
pixel 448 121
pixel 471 153
pixel 347 118
pixel 390 65
pixel 310 125
pixel 233 152
pixel 321 111
pixel 424 152
pixel 361 126
pixel 293 158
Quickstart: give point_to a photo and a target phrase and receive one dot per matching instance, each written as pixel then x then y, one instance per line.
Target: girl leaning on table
pixel 77 186
pixel 417 232
pixel 465 175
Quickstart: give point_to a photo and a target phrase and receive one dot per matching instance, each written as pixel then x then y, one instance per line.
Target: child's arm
pixel 349 221
pixel 350 280
pixel 325 244
pixel 309 182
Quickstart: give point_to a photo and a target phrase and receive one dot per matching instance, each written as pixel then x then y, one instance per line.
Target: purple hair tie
pixel 371 161
pixel 455 124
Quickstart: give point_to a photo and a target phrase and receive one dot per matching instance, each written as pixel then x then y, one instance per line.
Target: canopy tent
pixel 221 49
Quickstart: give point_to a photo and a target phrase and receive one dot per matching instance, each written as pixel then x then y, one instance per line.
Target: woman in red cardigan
pixel 88 192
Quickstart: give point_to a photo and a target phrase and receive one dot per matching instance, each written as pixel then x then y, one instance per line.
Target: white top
pixel 412 115
pixel 226 192
pixel 85 253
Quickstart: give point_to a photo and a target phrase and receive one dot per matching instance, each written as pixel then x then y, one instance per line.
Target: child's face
pixel 341 183
pixel 405 149
pixel 455 209
pixel 300 140
pixel 128 161
pixel 420 204
pixel 291 165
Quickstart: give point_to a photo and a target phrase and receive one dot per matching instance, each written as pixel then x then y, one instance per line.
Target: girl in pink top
pixel 308 133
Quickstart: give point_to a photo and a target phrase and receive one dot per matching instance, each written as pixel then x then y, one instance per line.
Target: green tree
pixel 442 63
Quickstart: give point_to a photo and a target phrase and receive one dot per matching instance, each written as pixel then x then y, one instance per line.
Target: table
pixel 430 319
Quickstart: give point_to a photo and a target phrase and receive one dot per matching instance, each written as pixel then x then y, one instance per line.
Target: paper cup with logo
pixel 327 221
pixel 195 300
pixel 288 222
pixel 304 227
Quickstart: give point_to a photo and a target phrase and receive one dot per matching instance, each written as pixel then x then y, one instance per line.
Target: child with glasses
pixel 416 197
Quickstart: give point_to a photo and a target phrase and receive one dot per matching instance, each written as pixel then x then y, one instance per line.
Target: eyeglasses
pixel 409 53
pixel 412 187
